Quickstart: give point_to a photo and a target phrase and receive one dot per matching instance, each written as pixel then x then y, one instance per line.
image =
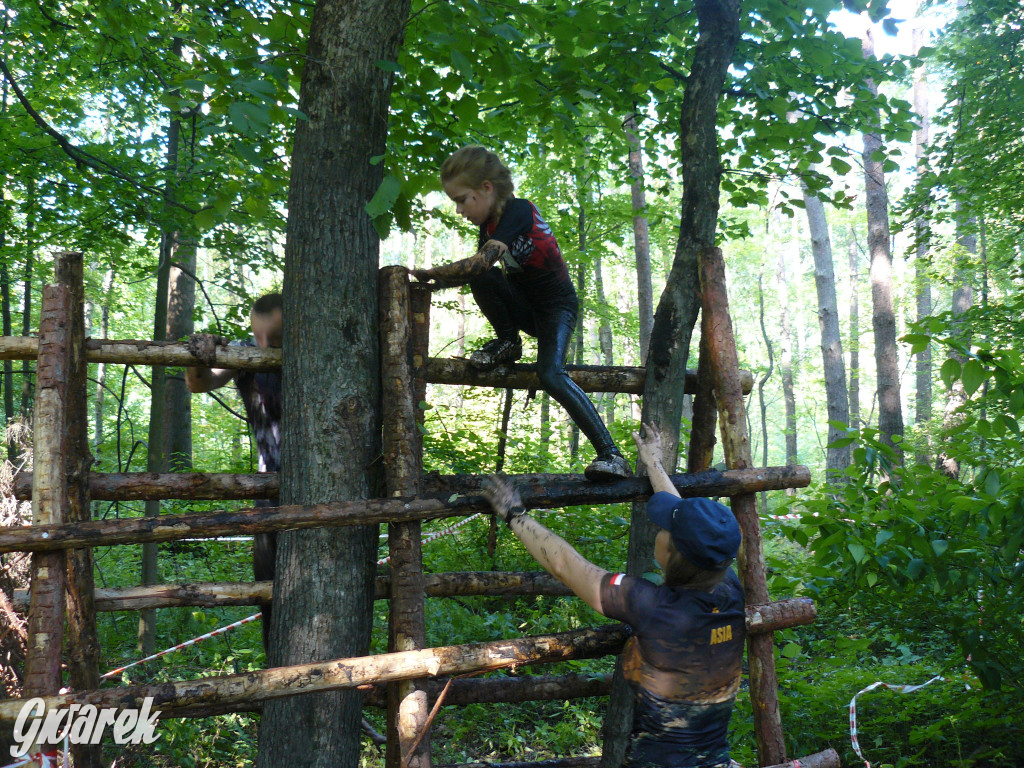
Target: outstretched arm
pixel 459 272
pixel 549 549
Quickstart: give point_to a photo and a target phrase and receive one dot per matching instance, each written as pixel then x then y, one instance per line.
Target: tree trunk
pixel 5 310
pixel 604 336
pixel 854 255
pixel 641 238
pixel 963 298
pixel 883 317
pixel 101 368
pixel 922 282
pixel 26 313
pixel 786 358
pixel 181 300
pixel 718 25
pixel 760 385
pixel 332 431
pixel 837 459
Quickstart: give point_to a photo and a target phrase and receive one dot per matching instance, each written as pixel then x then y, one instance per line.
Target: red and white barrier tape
pixel 853 708
pixel 180 646
pixel 436 535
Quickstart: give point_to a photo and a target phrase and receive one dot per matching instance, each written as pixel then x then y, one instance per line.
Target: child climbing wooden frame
pixel 412 498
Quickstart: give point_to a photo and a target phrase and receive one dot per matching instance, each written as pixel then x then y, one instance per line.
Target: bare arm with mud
pixel 460 272
pixel 549 549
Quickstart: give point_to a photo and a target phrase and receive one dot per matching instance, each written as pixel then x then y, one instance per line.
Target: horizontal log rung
pixel 342 674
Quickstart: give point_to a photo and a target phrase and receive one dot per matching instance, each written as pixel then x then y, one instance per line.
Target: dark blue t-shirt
pixel 683 662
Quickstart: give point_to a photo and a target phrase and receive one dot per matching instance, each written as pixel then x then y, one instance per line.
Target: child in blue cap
pixel 684 658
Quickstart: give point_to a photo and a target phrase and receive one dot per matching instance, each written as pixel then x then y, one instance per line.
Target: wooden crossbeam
pixel 339 674
pixel 574 491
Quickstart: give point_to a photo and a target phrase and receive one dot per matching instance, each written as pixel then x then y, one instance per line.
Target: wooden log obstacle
pixel 408 672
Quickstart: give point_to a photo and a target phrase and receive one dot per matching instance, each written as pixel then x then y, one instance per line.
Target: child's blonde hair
pixel 473 165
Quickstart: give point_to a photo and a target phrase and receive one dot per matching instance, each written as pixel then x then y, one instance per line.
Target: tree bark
pixel 604 335
pixel 181 300
pixel 855 420
pixel 101 368
pixel 963 298
pixel 922 280
pixel 837 459
pixel 50 503
pixel 5 313
pixel 760 385
pixel 641 238
pixel 26 316
pixel 883 316
pixel 718 35
pixel 332 429
pixel 786 358
pixel 83 648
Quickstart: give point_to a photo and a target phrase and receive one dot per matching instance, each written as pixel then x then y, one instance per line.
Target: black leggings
pixel 510 311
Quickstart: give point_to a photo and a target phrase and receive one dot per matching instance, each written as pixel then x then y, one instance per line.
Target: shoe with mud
pixel 496 352
pixel 611 466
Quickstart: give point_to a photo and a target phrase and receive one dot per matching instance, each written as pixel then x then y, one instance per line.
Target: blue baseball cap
pixel 704 531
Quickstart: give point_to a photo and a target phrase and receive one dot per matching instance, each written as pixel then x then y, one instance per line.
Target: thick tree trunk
pixel 181 300
pixel 922 281
pixel 786 358
pixel 641 238
pixel 837 398
pixel 332 431
pixel 718 24
pixel 883 316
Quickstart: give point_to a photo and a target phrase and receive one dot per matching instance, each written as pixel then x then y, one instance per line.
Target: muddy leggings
pixel 509 310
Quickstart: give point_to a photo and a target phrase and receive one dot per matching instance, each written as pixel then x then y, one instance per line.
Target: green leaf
pixel 992 483
pixel 389 66
pixel 939 546
pixel 918 342
pixel 857 551
pixel 950 372
pixel 915 567
pixel 204 219
pixel 384 197
pixel 974 375
pixel 882 536
pixel 461 63
pixel 791 650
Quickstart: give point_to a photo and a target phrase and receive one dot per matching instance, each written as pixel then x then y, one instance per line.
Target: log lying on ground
pixel 826 759
pixel 346 673
pixel 537 493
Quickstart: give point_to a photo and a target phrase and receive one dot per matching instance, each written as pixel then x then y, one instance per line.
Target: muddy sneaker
pixel 495 352
pixel 611 466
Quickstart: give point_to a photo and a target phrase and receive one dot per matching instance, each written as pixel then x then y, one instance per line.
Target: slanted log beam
pixel 536 492
pixel 341 674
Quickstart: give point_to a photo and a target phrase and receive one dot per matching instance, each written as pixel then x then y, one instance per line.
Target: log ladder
pixel 408 678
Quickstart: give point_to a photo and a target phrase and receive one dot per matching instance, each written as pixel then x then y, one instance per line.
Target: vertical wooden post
pixel 403 463
pixel 49 493
pixel 83 645
pixel 721 346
